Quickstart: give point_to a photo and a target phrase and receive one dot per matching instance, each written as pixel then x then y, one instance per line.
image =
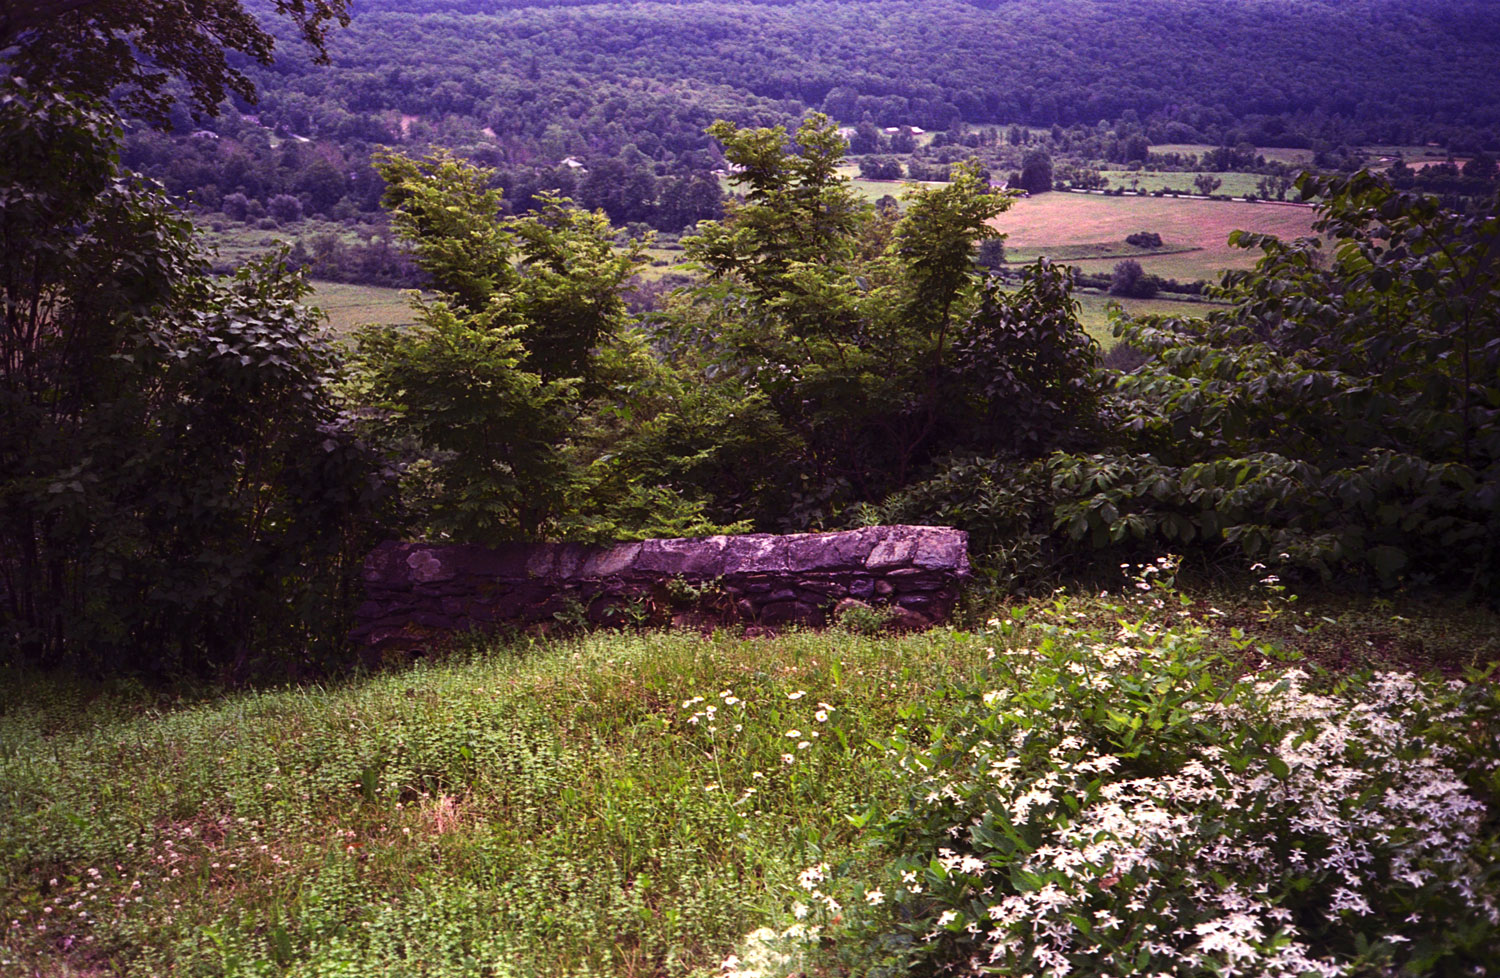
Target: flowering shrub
pixel 1123 804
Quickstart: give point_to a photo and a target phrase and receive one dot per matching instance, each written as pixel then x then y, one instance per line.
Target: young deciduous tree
pixel 837 319
pixel 495 382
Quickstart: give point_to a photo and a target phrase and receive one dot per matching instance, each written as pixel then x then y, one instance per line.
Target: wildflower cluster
pixel 728 714
pixel 1119 804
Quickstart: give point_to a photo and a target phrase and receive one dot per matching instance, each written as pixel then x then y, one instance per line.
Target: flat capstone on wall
pixel 418 594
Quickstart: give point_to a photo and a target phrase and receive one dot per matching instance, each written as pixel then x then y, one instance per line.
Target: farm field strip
pixel 1047 222
pixel 1232 184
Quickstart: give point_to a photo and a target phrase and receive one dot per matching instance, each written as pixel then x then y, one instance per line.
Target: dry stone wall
pixel 418 593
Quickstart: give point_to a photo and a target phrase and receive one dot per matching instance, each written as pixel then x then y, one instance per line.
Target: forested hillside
pixel 1278 73
pixel 609 103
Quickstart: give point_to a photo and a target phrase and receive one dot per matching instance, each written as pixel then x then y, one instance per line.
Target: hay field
pixel 1197 231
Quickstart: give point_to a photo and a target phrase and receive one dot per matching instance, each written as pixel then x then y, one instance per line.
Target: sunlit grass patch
pixel 612 805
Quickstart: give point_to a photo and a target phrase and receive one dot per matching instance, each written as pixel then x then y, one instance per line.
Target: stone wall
pixel 417 593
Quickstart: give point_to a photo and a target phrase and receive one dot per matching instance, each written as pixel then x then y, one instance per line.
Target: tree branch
pixel 19 16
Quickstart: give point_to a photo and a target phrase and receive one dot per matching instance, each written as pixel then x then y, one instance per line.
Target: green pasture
pixel 617 804
pixel 1278 154
pixel 1094 308
pixel 351 306
pixel 236 242
pixel 1150 181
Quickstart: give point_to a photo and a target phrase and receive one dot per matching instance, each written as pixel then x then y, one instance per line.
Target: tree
pixel 1482 168
pixel 284 208
pixel 1207 183
pixel 136 47
pixel 835 320
pixel 235 206
pixel 992 253
pixel 1129 279
pixel 866 139
pixel 1036 171
pixel 880 168
pixel 177 485
pixel 495 379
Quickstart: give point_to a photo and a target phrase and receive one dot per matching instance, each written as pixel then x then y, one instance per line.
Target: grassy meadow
pixel 1231 184
pixel 348 307
pixel 1277 154
pixel 611 805
pixel 1094 309
pixel 625 804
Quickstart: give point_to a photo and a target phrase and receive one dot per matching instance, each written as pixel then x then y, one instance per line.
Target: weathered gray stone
pixel 755 553
pixel 611 561
pixel 417 592
pixel 895 551
pixel 701 558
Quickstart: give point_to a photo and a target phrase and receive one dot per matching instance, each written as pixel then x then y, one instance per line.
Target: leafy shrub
pixel 1144 239
pixel 284 208
pixel 991 253
pixel 1112 802
pixel 178 489
pixel 1025 366
pixel 1128 279
pixel 1343 415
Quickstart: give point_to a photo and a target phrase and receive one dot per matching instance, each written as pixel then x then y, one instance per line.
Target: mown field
pixel 1200 228
pixel 351 306
pixel 1094 307
pixel 1148 181
pixel 236 242
pixel 621 804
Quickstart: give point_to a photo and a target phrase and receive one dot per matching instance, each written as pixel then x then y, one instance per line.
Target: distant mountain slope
pixel 1371 69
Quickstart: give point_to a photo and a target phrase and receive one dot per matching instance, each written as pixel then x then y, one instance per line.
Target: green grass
pixel 1272 153
pixel 1080 252
pixel 1148 181
pixel 238 241
pixel 551 808
pixel 1094 312
pixel 534 807
pixel 351 306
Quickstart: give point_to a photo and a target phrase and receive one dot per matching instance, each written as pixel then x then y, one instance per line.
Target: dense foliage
pixel 1390 69
pixel 177 487
pixel 608 103
pixel 133 50
pixel 1118 801
pixel 499 386
pixel 1342 415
